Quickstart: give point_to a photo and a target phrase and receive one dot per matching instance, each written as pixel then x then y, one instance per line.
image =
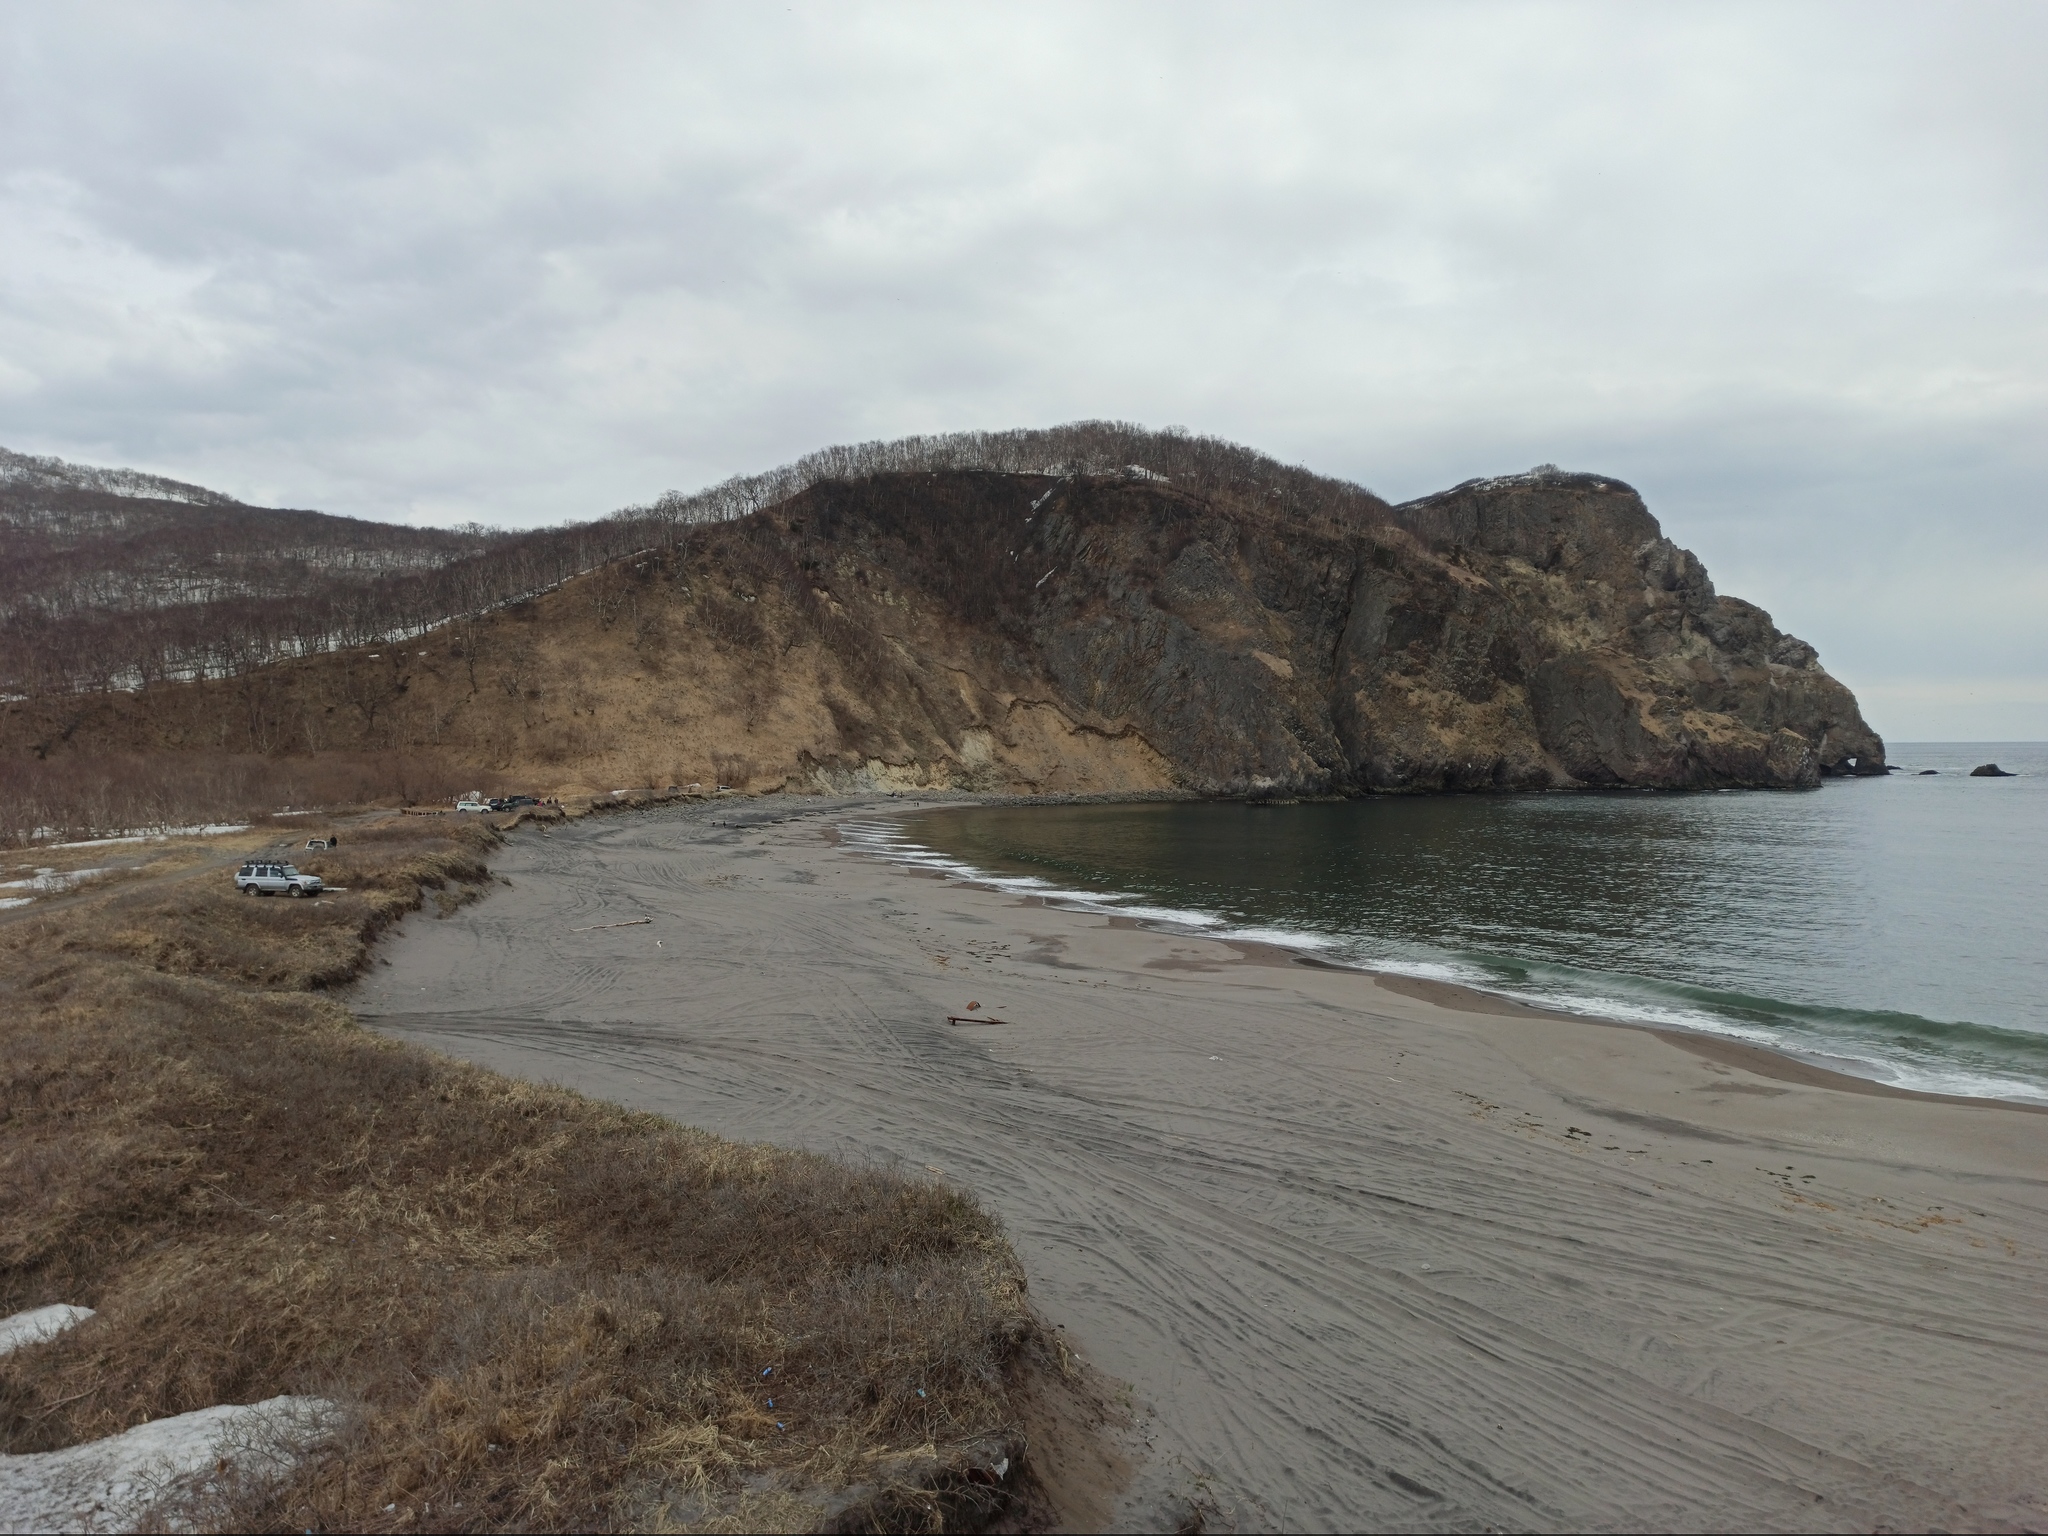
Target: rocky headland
pixel 1083 631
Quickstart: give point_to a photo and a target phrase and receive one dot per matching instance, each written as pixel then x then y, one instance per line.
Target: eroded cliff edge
pixel 1083 632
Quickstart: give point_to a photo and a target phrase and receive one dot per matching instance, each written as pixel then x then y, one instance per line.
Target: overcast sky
pixel 1783 268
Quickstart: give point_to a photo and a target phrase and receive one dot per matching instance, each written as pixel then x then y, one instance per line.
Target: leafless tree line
pixel 63 560
pixel 109 794
pixel 1203 465
pixel 234 628
pixel 122 642
pixel 28 472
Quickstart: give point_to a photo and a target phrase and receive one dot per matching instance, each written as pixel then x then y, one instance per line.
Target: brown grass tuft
pixel 540 1310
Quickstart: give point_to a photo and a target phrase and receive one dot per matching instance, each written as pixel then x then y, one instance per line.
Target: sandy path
pixel 1347 1244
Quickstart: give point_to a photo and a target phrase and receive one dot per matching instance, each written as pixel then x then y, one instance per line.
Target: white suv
pixel 260 879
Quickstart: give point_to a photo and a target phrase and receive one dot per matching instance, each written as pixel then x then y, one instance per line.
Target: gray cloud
pixel 1782 268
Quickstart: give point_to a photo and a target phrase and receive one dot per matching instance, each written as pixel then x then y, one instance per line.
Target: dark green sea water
pixel 1893 927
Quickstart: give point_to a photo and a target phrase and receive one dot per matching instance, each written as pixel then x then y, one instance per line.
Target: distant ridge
pixel 1089 608
pixel 21 472
pixel 106 581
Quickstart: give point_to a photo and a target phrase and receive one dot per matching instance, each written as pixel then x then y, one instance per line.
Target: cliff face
pixel 1630 668
pixel 1084 633
pixel 1531 632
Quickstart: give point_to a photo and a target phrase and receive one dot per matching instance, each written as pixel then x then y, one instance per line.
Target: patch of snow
pixel 110 1484
pixel 210 829
pixel 38 1324
pixel 48 882
pixel 14 901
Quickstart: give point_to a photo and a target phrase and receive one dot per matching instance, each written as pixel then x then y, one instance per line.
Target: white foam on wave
pixel 1591 1005
pixel 1051 895
pixel 1917 1076
pixel 1130 906
pixel 1956 1081
pixel 1835 1055
pixel 930 861
pixel 1431 970
pixel 1284 938
pixel 883 841
pixel 1632 1011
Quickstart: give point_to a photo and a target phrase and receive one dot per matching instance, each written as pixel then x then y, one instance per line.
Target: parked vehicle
pixel 513 802
pixel 473 801
pixel 261 878
pixel 329 841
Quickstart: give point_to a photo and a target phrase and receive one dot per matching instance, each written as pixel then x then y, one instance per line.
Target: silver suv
pixel 257 878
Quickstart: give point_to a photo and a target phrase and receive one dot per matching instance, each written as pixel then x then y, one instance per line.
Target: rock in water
pixel 1991 771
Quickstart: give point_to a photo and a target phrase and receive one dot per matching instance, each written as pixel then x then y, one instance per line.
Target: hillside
pixel 1202 620
pixel 112 579
pixel 91 559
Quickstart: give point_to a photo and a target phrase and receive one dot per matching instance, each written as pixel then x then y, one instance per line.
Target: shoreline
pixel 1763 1060
pixel 1344 1242
pixel 1785 1062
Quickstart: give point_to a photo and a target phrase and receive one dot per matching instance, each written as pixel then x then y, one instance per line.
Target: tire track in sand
pixel 1350 1301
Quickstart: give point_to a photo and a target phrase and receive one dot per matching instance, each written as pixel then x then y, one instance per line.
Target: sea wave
pixel 1899 1049
pixel 889 843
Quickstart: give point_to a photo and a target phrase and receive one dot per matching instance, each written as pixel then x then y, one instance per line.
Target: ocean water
pixel 1891 927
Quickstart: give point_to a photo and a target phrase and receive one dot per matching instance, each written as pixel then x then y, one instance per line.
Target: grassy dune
pixel 539 1310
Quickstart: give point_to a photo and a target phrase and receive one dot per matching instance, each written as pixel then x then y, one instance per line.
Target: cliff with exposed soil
pixel 1078 632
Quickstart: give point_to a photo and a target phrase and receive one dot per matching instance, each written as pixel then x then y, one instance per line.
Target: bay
pixel 1891 927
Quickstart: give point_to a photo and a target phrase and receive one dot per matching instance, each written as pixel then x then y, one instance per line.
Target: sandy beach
pixel 1370 1253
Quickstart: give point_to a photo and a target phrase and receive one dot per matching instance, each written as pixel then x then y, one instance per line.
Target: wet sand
pixel 1370 1254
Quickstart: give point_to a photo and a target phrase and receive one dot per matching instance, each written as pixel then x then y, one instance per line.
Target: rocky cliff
pixel 1080 632
pixel 1537 631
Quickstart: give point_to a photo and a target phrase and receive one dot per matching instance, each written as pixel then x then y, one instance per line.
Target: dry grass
pixel 541 1311
pixel 102 793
